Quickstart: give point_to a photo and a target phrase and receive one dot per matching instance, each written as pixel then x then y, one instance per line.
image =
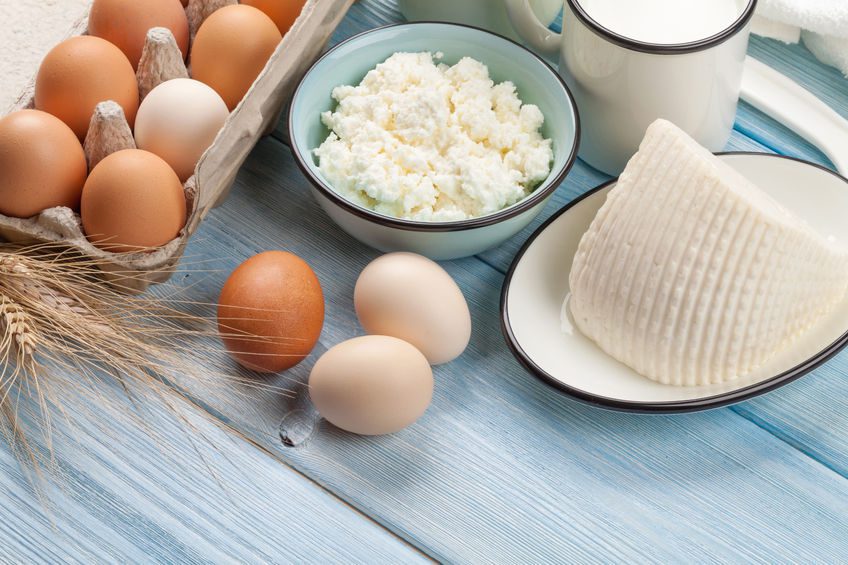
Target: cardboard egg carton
pixel 257 114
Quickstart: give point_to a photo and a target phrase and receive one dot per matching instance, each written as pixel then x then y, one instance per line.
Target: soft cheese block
pixel 691 275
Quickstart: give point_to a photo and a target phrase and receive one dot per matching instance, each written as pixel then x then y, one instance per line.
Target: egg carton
pixel 257 114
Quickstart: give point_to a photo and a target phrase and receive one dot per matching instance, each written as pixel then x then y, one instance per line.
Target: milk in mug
pixel 665 22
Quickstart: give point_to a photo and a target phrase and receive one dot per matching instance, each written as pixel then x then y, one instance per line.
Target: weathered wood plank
pixel 164 493
pixel 811 415
pixel 503 469
pixel 500 468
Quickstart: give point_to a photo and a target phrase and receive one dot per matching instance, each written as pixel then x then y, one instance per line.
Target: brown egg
pixel 231 49
pixel 132 201
pixel 42 164
pixel 78 74
pixel 126 23
pixel 283 12
pixel 271 311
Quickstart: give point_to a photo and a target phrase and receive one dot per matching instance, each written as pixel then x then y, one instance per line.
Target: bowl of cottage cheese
pixel 435 138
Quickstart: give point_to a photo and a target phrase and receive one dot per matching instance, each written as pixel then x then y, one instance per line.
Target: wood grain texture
pixel 162 492
pixel 500 469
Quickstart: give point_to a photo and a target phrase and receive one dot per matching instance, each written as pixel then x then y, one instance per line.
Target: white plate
pixel 537 285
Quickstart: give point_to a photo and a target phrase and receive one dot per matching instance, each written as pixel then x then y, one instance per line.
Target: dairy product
pixel 665 21
pixel 692 275
pixel 431 142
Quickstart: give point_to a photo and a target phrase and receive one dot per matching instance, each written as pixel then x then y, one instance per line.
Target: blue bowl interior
pixel 536 83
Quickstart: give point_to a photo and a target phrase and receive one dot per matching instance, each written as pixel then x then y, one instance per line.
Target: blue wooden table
pixel 500 469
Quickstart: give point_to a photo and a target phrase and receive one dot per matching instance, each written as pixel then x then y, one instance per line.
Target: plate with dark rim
pixel 538 330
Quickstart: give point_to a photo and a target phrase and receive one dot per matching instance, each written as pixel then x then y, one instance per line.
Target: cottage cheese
pixel 430 142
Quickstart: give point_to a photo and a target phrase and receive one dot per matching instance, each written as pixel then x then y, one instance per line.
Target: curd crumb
pixel 422 140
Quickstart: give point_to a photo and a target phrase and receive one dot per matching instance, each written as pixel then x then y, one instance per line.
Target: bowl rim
pixel 658 407
pixel 538 196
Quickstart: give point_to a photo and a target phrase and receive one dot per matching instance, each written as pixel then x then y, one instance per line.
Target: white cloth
pixel 821 24
pixel 28 30
pixel 776 30
pixel 829 49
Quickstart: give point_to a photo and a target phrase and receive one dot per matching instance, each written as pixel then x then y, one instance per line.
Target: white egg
pixel 178 121
pixel 412 298
pixel 371 385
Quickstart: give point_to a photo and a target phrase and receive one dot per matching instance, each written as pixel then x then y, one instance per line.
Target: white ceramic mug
pixel 622 85
pixel 486 14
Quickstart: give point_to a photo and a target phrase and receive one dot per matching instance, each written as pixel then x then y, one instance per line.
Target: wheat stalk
pixel 17 327
pixel 64 332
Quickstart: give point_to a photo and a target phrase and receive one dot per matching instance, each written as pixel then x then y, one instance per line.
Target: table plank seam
pixel 785 438
pixel 758 139
pixel 217 418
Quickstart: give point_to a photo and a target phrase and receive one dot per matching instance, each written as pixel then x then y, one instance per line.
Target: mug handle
pixel 534 32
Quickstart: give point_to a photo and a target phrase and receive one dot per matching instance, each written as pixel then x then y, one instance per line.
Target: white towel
pixel 776 30
pixel 828 49
pixel 821 24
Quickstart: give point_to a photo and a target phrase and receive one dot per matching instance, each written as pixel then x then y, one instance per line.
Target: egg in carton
pixel 215 172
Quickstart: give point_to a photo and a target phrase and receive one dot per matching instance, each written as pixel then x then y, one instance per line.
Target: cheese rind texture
pixel 430 142
pixel 691 275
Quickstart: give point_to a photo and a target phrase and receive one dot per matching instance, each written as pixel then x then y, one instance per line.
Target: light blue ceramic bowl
pixel 348 62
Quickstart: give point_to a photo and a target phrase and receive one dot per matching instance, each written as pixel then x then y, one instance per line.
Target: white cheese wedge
pixel 691 275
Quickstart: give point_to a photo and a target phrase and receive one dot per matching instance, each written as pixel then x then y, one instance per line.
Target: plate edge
pixel 665 407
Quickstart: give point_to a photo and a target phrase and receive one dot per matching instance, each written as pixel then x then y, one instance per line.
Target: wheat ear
pixel 64 331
